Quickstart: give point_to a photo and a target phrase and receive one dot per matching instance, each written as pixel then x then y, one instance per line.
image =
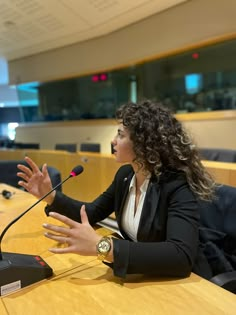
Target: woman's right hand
pixel 36 182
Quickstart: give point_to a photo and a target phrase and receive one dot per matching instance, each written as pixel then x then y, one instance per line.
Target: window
pixel 11 130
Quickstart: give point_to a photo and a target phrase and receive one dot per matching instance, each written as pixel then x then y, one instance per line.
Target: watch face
pixel 104 246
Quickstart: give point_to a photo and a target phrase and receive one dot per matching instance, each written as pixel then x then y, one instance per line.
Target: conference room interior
pixel 58 105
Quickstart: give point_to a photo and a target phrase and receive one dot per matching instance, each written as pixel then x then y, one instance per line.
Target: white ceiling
pixel 28 27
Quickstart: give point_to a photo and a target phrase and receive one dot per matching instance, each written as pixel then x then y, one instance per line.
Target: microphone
pixel 20 270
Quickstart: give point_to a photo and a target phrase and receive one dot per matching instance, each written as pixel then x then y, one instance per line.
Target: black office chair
pixel 218 236
pixel 90 147
pixel 55 176
pixel 215 154
pixel 5 141
pixel 8 170
pixel 24 145
pixel 70 147
pixel 8 173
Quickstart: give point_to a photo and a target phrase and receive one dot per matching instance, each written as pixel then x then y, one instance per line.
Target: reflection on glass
pixel 193 83
pixel 185 83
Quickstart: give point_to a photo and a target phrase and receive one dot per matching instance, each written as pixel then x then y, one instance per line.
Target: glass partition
pixel 196 80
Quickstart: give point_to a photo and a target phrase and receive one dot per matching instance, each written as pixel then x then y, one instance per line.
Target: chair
pixel 8 173
pixel 70 147
pixel 221 155
pixel 4 141
pixel 218 236
pixel 90 147
pixel 22 145
pixel 8 170
pixel 55 176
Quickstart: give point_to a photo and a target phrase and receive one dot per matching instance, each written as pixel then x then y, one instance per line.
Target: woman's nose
pixel 113 142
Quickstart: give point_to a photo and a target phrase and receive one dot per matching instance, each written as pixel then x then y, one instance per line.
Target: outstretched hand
pixel 35 181
pixel 80 238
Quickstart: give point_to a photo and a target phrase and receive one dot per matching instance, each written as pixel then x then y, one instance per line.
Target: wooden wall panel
pixel 99 170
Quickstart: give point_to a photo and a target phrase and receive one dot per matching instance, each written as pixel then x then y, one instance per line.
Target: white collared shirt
pixel 130 219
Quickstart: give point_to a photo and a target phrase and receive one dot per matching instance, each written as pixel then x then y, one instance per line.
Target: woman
pixel 154 197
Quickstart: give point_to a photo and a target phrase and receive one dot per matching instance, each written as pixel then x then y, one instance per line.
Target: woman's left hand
pixel 80 238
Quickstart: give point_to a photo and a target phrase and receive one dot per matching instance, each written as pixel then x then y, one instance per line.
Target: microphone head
pixel 76 171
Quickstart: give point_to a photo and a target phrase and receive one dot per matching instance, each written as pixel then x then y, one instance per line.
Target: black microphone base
pixel 20 270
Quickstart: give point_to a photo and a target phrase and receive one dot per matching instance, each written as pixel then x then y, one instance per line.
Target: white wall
pixel 47 135
pixel 210 133
pixel 213 133
pixel 4 77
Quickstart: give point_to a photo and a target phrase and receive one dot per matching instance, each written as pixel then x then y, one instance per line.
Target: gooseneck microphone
pixel 20 270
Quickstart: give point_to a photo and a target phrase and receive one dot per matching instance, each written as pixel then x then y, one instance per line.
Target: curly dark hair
pixel 160 143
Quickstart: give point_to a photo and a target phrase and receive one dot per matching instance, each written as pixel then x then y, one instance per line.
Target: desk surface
pixel 83 285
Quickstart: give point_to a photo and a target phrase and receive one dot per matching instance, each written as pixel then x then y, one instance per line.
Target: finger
pixel 32 165
pixel 25 170
pixel 23 175
pixel 64 250
pixel 83 215
pixel 58 229
pixel 59 238
pixel 45 170
pixel 23 184
pixel 63 219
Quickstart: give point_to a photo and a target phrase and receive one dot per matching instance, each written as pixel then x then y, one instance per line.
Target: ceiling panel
pixel 32 26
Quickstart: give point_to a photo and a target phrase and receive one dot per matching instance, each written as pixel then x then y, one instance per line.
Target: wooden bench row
pixel 99 169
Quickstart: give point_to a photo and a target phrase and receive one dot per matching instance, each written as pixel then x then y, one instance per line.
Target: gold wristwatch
pixel 103 247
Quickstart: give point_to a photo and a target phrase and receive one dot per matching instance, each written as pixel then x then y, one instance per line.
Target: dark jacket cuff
pixel 121 257
pixel 52 207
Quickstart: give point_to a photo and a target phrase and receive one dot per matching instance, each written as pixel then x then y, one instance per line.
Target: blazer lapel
pixel 149 211
pixel 124 192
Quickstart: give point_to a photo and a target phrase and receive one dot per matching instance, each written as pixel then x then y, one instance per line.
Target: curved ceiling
pixel 29 27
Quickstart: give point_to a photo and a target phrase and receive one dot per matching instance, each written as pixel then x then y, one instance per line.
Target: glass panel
pixel 29 101
pixel 192 81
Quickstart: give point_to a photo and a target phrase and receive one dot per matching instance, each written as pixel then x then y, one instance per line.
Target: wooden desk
pixel 83 285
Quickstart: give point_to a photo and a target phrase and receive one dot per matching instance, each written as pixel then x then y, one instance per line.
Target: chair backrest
pixel 22 145
pixel 8 170
pixel 90 147
pixel 218 230
pixel 55 176
pixel 70 147
pixel 221 155
pixel 8 173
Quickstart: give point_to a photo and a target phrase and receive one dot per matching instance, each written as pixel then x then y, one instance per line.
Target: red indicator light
pixel 103 77
pixel 99 77
pixel 95 78
pixel 195 55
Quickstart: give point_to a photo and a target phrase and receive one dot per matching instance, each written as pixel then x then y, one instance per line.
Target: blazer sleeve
pixel 97 210
pixel 175 255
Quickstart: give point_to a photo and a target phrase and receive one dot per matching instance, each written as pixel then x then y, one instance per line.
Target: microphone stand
pixel 20 270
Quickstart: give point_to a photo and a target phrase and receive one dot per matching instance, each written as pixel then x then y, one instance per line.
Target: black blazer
pixel 168 229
